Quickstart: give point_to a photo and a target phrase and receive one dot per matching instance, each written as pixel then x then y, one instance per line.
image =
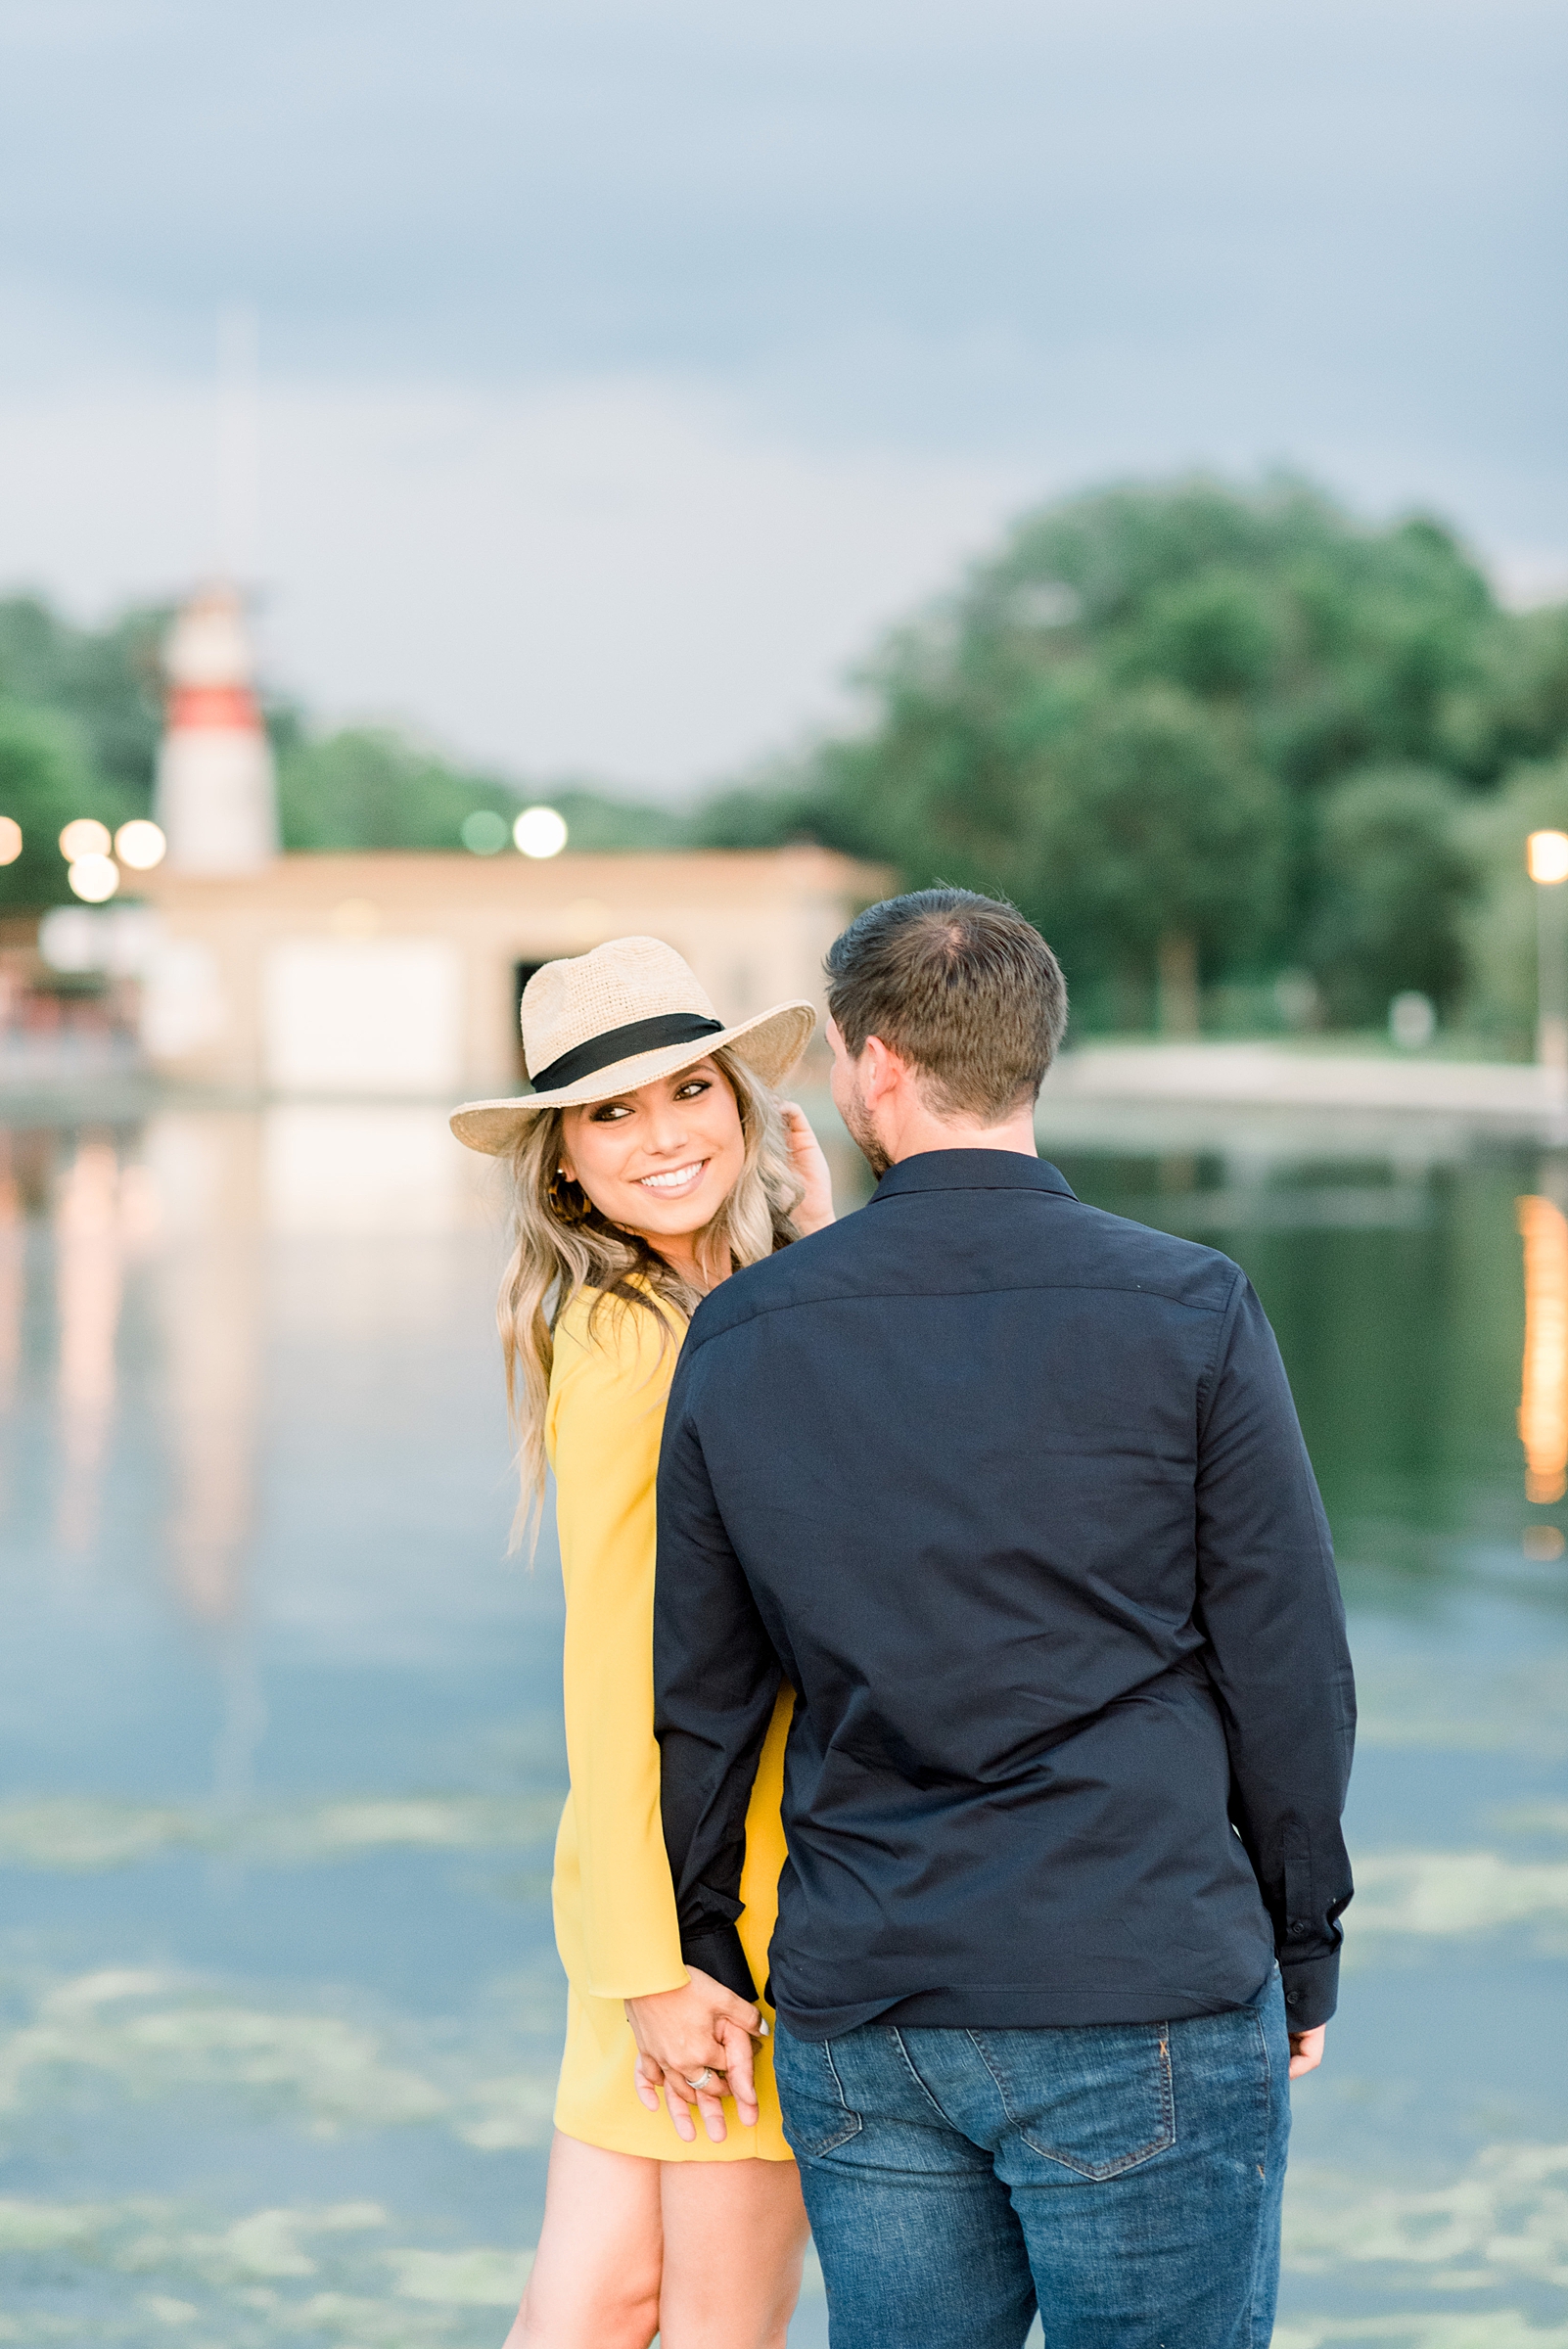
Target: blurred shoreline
pixel 1503 1096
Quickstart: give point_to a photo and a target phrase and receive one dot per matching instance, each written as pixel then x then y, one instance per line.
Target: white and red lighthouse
pixel 216 793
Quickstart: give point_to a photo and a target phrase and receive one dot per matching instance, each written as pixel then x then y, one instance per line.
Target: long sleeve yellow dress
pixel 615 1906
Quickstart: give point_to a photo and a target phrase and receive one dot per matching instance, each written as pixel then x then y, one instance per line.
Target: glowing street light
pixel 1546 855
pixel 10 840
pixel 93 878
pixel 140 845
pixel 1548 852
pixel 86 837
pixel 539 832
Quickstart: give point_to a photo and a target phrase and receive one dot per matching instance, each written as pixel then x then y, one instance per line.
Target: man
pixel 1013 1494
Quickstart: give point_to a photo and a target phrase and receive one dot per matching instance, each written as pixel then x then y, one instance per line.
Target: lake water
pixel 280 1757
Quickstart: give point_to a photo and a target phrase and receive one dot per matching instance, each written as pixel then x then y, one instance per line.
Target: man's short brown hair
pixel 959 986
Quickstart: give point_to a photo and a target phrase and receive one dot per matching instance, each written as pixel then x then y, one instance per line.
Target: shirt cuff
pixel 716 1950
pixel 1311 1990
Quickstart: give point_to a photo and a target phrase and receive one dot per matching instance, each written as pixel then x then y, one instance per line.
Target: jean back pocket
pixel 1097 2099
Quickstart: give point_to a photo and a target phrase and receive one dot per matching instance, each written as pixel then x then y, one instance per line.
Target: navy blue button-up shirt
pixel 1013 1494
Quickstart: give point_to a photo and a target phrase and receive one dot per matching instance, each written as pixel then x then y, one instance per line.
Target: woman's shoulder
pixel 603 1335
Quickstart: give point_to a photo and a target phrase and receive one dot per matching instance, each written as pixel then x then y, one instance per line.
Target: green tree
pixel 373 788
pixel 1521 713
pixel 47 780
pixel 367 788
pixel 1319 648
pixel 597 820
pixel 1221 634
pixel 1397 875
pixel 1500 922
pixel 107 681
pixel 769 811
pixel 1161 844
pixel 1342 644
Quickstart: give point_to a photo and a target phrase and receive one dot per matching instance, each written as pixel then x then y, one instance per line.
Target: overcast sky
pixel 626 367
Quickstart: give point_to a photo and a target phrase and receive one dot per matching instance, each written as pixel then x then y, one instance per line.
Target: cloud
pixel 620 577
pixel 627 370
pixel 708 186
pixel 1502 2219
pixel 1450 1893
pixel 82 1833
pixel 276 2273
pixel 463 2279
pixel 1455 1698
pixel 145 2033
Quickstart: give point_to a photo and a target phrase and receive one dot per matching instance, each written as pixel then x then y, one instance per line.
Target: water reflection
pixel 280 1757
pixel 89 1281
pixel 357 1169
pixel 13 1271
pixel 208 1308
pixel 1543 1400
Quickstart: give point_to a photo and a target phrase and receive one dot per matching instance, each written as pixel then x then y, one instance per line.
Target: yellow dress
pixel 615 1906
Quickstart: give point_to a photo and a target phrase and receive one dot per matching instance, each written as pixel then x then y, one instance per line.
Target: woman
pixel 649 1162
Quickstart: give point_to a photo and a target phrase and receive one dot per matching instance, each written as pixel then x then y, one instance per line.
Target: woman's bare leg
pixel 595 2280
pixel 735 2234
pixel 706 2254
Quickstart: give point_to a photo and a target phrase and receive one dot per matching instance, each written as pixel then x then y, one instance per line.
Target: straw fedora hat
pixel 601 1024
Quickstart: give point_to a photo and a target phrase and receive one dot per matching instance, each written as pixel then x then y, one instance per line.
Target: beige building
pixel 393 974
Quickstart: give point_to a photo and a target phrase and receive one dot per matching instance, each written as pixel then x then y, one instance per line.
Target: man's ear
pixel 879 1065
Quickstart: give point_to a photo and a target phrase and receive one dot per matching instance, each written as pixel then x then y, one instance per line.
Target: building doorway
pixel 521 973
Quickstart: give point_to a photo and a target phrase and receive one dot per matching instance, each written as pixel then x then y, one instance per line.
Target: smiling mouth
pixel 680 1179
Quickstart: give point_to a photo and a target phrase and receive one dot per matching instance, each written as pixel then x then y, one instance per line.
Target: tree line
pixel 1206 735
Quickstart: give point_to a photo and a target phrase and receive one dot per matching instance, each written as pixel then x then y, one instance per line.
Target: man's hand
pixel 1306 2051
pixel 680 2034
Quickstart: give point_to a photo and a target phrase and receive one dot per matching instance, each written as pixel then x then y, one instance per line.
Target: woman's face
pixel 663 1160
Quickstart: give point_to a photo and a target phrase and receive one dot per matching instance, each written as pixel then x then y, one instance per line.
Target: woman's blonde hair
pixel 562 1245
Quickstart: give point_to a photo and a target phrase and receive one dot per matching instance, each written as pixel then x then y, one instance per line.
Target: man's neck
pixel 920 1132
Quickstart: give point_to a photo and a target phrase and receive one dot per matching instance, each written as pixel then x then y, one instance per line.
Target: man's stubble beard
pixel 857 1118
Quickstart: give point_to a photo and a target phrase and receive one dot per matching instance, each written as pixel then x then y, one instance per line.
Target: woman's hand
pixel 815 1211
pixel 680 2034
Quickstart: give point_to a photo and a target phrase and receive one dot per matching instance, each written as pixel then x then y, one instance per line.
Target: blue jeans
pixel 1124 2178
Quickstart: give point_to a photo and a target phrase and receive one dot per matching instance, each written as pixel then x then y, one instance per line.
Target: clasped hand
pixel 680 2034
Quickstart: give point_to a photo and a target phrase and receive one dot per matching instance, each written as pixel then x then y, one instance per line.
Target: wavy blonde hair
pixel 561 1245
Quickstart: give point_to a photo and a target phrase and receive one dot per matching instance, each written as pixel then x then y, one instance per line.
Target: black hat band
pixel 623 1043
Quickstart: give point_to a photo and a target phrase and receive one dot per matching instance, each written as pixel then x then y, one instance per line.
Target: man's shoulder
pixel 1113 1251
pixel 807 1268
pixel 874 1252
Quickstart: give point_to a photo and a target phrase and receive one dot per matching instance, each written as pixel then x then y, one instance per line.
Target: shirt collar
pixel 971 1171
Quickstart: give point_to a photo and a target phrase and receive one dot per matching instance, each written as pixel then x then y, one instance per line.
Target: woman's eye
pixel 698 1085
pixel 609 1114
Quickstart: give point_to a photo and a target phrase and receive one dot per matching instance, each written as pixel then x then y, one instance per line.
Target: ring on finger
pixel 705 2077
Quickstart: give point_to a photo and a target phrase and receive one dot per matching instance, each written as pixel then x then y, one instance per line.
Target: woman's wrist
pixel 654 1990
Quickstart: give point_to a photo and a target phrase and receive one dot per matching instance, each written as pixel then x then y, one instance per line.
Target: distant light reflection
pixel 209 1309
pixel 13 1275
pixel 1543 1394
pixel 89 1286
